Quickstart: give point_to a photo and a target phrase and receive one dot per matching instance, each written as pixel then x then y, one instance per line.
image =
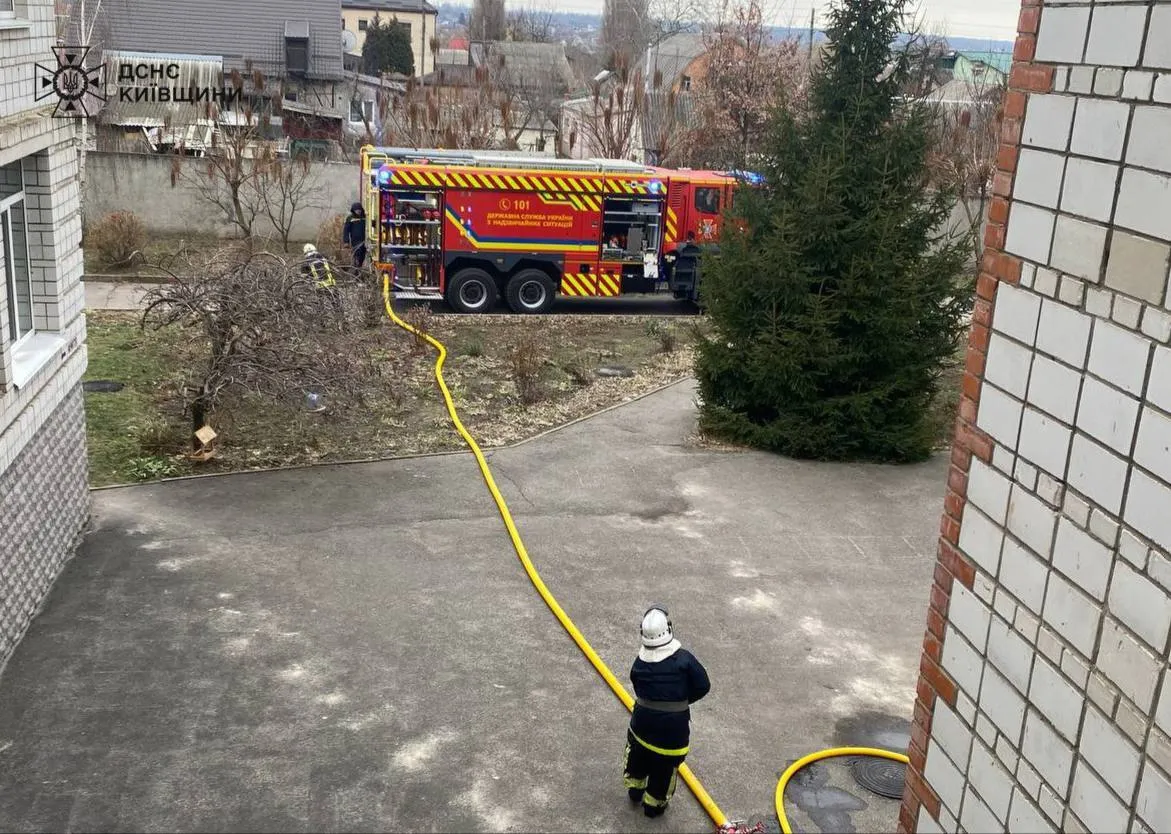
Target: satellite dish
pixel 349 40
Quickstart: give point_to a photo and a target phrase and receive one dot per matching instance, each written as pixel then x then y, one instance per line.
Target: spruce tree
pixel 387 48
pixel 834 298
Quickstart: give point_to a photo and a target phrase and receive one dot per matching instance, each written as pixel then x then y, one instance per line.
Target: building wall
pixel 141 183
pixel 43 495
pixel 44 502
pixel 1044 702
pixel 422 31
pixel 253 30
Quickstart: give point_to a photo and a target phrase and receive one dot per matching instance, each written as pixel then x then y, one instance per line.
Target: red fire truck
pixel 469 226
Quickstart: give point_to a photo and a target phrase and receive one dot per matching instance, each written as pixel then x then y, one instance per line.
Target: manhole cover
pixel 880 776
pixel 102 386
pixel 615 371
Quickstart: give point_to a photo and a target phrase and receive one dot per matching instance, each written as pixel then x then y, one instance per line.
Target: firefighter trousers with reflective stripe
pixel 652 773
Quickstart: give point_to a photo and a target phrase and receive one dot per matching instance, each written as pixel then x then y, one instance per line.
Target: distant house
pixel 967 79
pixel 533 78
pixel 370 111
pixel 675 64
pixel 287 54
pixel 418 16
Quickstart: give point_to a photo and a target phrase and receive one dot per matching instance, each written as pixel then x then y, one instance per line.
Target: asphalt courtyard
pixel 357 648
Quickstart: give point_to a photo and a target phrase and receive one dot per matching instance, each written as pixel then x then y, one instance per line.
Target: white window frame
pixel 11 279
pixel 7 9
pixel 36 347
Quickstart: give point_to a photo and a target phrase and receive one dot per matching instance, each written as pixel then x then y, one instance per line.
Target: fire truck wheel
pixel 472 291
pixel 530 291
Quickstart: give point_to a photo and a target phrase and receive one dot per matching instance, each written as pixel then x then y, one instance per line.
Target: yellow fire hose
pixel 689 778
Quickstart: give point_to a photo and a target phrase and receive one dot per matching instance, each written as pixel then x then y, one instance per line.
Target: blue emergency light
pixel 656 186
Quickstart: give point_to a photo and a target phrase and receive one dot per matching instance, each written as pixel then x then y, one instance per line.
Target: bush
pixel 664 334
pixel 421 318
pixel 473 346
pixel 115 238
pixel 329 240
pixel 526 360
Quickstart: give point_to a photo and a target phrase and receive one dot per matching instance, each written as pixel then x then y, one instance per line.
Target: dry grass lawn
pixel 142 431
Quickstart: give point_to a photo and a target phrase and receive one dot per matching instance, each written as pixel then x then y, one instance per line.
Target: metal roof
pixel 408 6
pixel 201 72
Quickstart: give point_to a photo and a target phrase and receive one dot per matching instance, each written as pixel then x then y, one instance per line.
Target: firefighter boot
pixel 635 795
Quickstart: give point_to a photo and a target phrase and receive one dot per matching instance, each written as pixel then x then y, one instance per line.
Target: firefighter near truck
pixel 469 227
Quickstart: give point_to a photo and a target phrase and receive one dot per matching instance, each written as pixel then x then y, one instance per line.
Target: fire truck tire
pixel 530 291
pixel 472 291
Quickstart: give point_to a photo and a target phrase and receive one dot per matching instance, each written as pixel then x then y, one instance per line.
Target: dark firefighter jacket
pixel 679 677
pixel 354 231
pixel 316 267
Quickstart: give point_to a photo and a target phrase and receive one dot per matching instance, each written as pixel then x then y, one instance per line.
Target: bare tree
pixel 631 27
pixel 966 142
pixel 926 51
pixel 668 125
pixel 82 23
pixel 531 24
pixel 230 176
pixel 487 21
pixel 288 186
pixel 528 99
pixel 456 108
pixel 265 325
pixel 448 114
pixel 745 75
pixel 610 124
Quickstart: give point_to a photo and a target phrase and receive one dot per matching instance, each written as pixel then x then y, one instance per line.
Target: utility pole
pixel 812 19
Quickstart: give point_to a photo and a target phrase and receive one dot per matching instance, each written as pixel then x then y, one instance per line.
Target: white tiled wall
pixel 48 146
pixel 1061 653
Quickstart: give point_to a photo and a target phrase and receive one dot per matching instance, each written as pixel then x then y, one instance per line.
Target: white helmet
pixel 656 628
pixel 309 249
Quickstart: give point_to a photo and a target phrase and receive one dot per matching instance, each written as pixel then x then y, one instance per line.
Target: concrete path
pixel 109 295
pixel 356 648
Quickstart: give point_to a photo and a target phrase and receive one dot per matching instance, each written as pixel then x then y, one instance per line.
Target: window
pixel 361 111
pixel 297 54
pixel 707 200
pixel 363 24
pixel 685 82
pixel 7 8
pixel 297 46
pixel 14 250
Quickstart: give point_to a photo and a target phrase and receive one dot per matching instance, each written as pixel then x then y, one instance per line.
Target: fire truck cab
pixel 468 226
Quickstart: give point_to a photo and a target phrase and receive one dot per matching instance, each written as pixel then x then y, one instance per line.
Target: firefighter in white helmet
pixel 316 266
pixel 667 680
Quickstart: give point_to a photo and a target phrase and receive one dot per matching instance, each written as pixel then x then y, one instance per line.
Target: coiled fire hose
pixel 689 778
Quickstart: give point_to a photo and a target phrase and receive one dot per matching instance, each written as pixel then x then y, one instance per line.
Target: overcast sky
pixel 985 19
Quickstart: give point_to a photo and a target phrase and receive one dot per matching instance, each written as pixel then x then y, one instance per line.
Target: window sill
pixel 32 354
pixel 15 23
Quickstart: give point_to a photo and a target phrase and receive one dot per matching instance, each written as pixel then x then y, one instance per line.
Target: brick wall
pixel 43 496
pixel 44 502
pixel 1042 704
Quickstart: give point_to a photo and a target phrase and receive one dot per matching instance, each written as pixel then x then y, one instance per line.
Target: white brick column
pixel 1044 703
